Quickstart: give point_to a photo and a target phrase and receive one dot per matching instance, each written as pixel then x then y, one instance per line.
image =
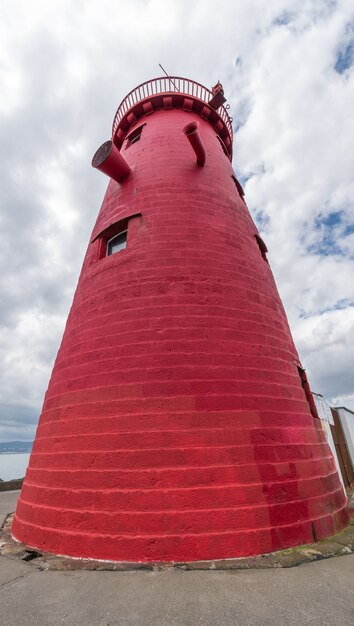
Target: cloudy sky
pixel 286 67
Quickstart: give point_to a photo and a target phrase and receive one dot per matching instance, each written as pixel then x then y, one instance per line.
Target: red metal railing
pixel 170 84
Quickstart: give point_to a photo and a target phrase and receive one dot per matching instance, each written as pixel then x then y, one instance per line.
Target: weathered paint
pixel 175 425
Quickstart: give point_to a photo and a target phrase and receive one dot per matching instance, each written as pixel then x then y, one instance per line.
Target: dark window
pixel 114 237
pixel 223 146
pixel 239 188
pixel 307 390
pixel 262 247
pixel 134 136
pixel 117 243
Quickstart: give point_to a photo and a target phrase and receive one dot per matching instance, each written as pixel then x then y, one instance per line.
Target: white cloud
pixel 66 66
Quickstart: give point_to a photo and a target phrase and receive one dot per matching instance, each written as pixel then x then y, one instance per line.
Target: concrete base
pixel 339 545
pixel 317 593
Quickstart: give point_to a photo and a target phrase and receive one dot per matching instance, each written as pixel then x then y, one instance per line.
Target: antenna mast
pixel 169 78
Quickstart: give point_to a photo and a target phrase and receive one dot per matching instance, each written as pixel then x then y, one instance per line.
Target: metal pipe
pixel 193 136
pixel 109 160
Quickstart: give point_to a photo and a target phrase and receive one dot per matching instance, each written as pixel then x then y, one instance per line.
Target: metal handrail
pixel 170 84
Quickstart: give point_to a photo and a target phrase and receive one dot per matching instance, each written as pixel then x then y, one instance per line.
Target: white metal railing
pixel 168 84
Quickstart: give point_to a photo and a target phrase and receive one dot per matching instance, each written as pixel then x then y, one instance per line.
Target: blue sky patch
pixel 349 230
pixel 332 219
pixel 282 19
pixel 330 229
pixel 345 58
pixel 341 304
pixel 262 220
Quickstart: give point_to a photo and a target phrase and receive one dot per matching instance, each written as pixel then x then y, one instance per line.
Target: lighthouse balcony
pixel 169 93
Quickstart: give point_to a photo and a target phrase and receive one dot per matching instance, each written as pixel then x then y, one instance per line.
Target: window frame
pixel 122 232
pixel 134 136
pixel 112 230
pixel 262 247
pixel 307 391
pixel 239 188
pixel 224 148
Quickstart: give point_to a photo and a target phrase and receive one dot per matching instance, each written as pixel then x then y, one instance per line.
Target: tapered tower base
pixel 178 424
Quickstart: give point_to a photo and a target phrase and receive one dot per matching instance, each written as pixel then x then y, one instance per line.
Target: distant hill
pixel 16 446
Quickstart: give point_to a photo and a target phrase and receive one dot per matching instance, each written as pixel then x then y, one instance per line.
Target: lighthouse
pixel 178 423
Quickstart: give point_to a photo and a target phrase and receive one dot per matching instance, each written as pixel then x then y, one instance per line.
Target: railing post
pixel 170 84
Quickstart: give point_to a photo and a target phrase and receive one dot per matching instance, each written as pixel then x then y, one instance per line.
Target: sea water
pixel 13 465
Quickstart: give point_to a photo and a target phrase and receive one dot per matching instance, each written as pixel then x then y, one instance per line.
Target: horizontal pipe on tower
pixel 192 133
pixel 109 160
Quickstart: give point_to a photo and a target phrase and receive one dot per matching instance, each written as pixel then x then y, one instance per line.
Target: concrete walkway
pixel 314 594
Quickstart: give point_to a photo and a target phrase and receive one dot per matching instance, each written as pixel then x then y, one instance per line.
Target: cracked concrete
pixel 11 570
pixel 316 593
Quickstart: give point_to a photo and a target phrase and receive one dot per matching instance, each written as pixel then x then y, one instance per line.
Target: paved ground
pixel 314 594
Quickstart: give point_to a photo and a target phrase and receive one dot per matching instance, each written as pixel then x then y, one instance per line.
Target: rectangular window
pixel 262 247
pixel 225 151
pixel 134 136
pixel 307 390
pixel 117 243
pixel 239 188
pixel 114 238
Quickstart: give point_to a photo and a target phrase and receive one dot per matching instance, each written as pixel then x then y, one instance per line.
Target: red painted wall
pixel 175 426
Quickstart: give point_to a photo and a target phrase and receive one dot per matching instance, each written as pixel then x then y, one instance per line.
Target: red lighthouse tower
pixel 178 423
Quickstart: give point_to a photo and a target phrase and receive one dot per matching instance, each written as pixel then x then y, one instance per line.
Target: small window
pixel 262 247
pixel 117 243
pixel 134 136
pixel 307 390
pixel 239 188
pixel 223 146
pixel 113 238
